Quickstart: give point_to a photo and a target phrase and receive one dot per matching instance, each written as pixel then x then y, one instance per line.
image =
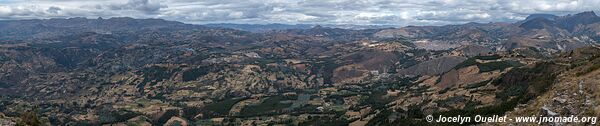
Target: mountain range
pixel 277 26
pixel 126 71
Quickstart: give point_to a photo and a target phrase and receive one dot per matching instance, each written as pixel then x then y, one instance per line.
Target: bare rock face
pixel 545 111
pixel 6 121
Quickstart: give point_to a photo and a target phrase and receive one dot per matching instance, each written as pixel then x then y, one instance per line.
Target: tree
pixel 29 118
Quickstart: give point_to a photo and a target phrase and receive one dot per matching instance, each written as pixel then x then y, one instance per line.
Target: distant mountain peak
pixel 544 16
pixel 537 23
pixel 317 27
pixel 473 23
pixel 568 22
pixel 587 13
pixel 571 21
pixel 124 18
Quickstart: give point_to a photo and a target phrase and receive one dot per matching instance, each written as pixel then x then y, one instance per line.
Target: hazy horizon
pixel 342 12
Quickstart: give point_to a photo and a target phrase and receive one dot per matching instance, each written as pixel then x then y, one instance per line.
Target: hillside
pixel 125 71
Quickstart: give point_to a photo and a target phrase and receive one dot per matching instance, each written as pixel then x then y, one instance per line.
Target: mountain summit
pixel 545 16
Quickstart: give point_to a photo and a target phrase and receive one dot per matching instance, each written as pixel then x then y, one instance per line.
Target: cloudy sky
pixel 380 12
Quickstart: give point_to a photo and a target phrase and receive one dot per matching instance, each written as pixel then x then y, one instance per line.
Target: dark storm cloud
pixel 53 10
pixel 145 6
pixel 394 12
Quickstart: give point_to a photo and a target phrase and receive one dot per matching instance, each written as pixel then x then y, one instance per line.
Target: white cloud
pixel 395 12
